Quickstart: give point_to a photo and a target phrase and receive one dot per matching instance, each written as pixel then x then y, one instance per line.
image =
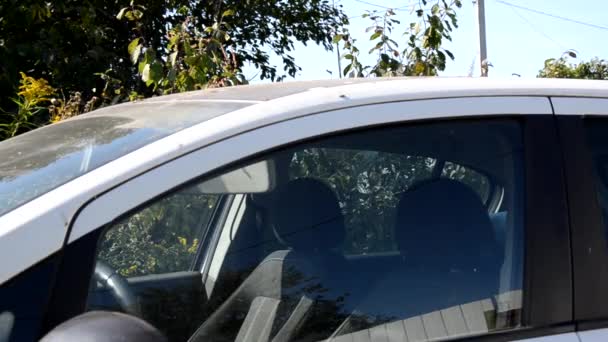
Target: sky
pixel 518 41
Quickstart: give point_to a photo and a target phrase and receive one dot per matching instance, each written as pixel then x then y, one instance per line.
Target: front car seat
pixel 449 251
pixel 297 293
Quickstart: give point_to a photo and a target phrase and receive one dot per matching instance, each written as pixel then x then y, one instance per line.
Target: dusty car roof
pixel 371 86
pixel 263 92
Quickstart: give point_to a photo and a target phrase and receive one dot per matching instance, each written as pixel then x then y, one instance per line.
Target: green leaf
pixel 348 56
pixel 375 35
pixel 138 14
pixel 450 54
pixel 121 13
pixel 149 56
pixel 173 58
pixel 141 66
pixel 156 72
pixel 172 75
pixel 228 13
pixel 435 9
pixel 337 38
pixel 145 73
pixel 347 69
pixel 134 49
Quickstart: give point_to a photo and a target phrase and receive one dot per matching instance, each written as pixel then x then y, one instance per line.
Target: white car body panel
pixel 129 195
pixel 597 335
pixel 35 230
pixel 569 337
pixel 580 106
pixel 57 208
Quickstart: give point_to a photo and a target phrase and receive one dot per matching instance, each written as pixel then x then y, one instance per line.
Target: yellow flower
pixel 34 90
pixel 194 246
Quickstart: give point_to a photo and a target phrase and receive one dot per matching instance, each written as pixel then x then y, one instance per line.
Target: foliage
pixel 68 42
pixel 197 58
pixel 423 55
pixel 161 238
pixel 100 52
pixel 595 69
pixel 32 94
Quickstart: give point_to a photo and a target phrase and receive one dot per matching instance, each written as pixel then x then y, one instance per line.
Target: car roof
pixel 372 87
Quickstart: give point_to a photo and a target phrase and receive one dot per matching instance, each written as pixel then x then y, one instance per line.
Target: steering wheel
pixel 118 286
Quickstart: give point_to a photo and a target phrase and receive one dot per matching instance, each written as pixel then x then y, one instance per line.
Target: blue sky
pixel 519 41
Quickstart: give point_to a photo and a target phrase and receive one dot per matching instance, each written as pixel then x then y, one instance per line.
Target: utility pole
pixel 481 23
pixel 337 47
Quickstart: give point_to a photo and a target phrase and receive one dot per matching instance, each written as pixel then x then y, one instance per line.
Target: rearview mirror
pixel 103 326
pixel 253 178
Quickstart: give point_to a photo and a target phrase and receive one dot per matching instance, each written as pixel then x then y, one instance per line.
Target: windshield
pixel 34 163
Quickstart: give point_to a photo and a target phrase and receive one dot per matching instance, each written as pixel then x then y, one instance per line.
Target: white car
pixel 346 210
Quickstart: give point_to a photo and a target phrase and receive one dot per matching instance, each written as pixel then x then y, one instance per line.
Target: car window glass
pixel 382 232
pixel 477 181
pixel 368 185
pixel 23 302
pixel 153 254
pixel 163 237
pixel 598 143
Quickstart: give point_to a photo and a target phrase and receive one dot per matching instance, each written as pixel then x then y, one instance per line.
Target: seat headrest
pixel 307 215
pixel 443 224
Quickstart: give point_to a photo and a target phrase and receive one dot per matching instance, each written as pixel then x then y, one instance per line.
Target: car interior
pixel 371 232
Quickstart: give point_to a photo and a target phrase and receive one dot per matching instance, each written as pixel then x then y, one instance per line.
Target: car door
pixel 582 126
pixel 534 291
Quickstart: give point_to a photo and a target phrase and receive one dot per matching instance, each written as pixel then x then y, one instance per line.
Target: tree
pixel 423 54
pixel 595 69
pixel 68 42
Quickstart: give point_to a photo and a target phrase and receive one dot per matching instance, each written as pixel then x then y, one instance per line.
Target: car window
pixel 381 232
pixel 368 185
pixel 163 237
pixel 598 144
pixel 24 300
pixel 476 180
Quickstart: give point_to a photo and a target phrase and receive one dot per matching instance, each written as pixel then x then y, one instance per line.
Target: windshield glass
pixel 34 163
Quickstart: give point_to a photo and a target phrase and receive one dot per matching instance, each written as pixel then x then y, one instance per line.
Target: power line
pixel 402 8
pixel 539 31
pixel 552 15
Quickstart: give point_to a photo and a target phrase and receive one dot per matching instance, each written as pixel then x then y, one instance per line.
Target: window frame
pixel 541 314
pixel 589 252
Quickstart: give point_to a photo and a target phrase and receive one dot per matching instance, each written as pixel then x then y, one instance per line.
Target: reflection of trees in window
pixel 161 238
pixel 472 178
pixel 366 183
